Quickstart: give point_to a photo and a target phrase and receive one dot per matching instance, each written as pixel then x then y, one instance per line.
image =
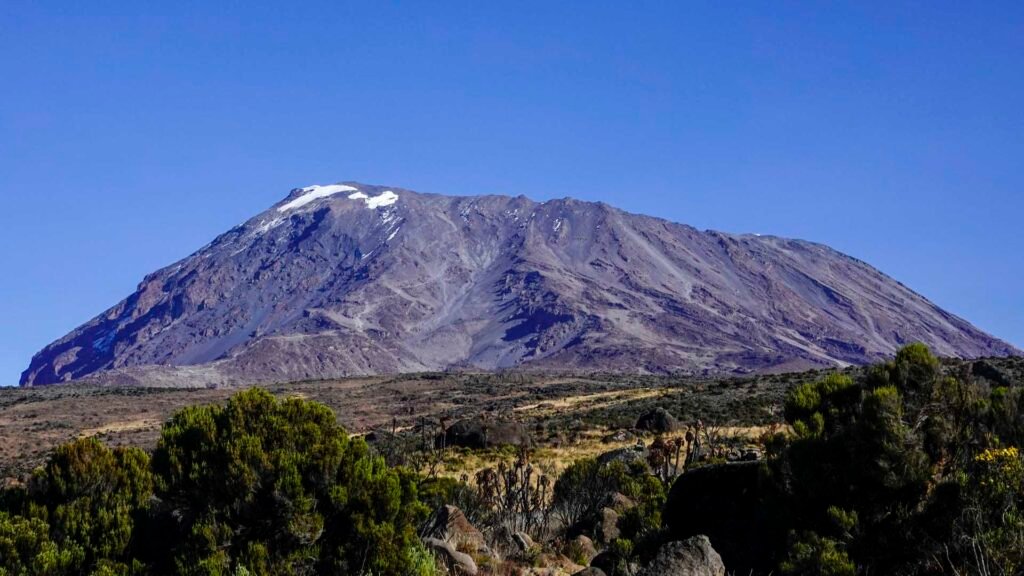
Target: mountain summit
pixel 350 279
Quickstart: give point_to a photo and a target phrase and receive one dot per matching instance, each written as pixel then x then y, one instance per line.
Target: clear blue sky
pixel 131 133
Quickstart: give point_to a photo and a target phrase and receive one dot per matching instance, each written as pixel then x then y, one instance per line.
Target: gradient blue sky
pixel 131 133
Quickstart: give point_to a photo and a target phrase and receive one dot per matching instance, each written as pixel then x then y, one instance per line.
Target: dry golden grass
pixel 123 426
pixel 553 460
pixel 590 401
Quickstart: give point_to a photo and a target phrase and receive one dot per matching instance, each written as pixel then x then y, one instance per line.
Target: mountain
pixel 351 279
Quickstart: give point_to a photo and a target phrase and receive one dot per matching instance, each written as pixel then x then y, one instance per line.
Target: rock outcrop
pixel 457 563
pixel 482 432
pixel 728 503
pixel 581 549
pixel 449 524
pixel 693 557
pixel 629 455
pixel 658 421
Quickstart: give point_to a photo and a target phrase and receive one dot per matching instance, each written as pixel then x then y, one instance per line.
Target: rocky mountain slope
pixel 351 279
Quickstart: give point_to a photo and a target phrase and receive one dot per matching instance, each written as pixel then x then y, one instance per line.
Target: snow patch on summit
pixel 266 226
pixel 316 192
pixel 386 198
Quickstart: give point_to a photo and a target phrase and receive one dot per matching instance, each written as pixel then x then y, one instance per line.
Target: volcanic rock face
pixel 353 279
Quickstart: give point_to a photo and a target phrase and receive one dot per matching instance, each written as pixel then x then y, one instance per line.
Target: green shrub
pixel 91 497
pixel 27 550
pixel 866 476
pixel 812 555
pixel 277 487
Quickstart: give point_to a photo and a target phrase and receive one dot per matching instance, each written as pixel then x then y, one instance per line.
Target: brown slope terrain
pixel 355 279
pixel 561 411
pixel 34 420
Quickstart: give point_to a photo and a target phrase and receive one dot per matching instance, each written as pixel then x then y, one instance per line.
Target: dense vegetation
pixel 909 470
pixel 908 467
pixel 256 486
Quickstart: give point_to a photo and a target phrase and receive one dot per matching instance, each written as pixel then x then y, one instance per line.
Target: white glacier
pixel 315 192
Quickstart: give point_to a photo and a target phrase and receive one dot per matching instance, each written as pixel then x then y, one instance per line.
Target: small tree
pixel 92 498
pixel 26 548
pixel 279 487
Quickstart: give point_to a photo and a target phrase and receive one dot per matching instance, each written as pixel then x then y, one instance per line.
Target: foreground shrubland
pixel 903 468
pixel 257 486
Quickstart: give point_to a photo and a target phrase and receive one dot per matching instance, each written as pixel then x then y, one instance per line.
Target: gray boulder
pixel 581 549
pixel 523 542
pixel 658 421
pixel 620 502
pixel 483 432
pixel 619 436
pixel 608 526
pixel 692 557
pixel 456 562
pixel 449 524
pixel 745 454
pixel 627 456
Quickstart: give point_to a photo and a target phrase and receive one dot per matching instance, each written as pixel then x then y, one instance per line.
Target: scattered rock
pixel 523 541
pixel 619 436
pixel 581 549
pixel 482 432
pixel 628 456
pixel 620 502
pixel 456 562
pixel 658 421
pixel 608 528
pixel 449 524
pixel 693 557
pixel 591 571
pixel 746 454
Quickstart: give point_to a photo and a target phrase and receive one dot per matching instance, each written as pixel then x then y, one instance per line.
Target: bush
pixel 871 475
pixel 585 486
pixel 812 555
pixel 278 487
pixel 91 498
pixel 26 548
pixel 254 487
pixel 902 470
